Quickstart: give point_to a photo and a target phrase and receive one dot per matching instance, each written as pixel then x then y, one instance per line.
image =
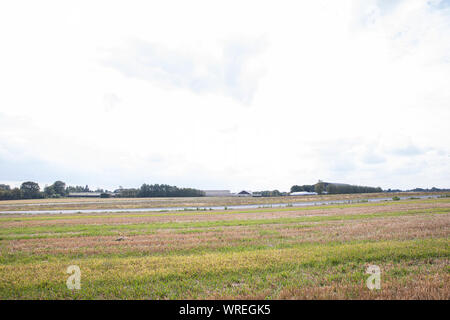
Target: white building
pixel 217 193
pixel 84 194
pixel 302 193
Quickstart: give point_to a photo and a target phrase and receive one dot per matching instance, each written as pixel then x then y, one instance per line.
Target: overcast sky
pixel 225 94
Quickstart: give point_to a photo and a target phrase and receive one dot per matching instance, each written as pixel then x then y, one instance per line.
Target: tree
pixel 128 193
pixel 306 187
pixel 49 191
pixel 59 187
pixel 30 190
pixel 331 189
pixel 319 187
pixel 164 190
pixel 75 189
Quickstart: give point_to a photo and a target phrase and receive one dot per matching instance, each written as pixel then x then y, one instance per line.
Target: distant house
pixel 84 194
pixel 217 193
pixel 302 193
pixel 256 194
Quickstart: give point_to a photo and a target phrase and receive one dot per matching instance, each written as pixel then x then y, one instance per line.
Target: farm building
pixel 217 193
pixel 302 193
pixel 244 193
pixel 84 194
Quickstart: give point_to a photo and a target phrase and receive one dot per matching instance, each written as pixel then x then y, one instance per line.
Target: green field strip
pixel 107 229
pixel 176 276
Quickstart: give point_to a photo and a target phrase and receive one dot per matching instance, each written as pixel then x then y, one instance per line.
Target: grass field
pixel 130 203
pixel 316 252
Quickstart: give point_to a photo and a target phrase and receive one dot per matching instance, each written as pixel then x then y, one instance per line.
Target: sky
pixel 231 95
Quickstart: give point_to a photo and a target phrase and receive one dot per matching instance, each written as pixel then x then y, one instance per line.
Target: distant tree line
pixel 273 193
pixel 334 188
pixel 306 187
pixel 158 190
pixel 347 188
pixel 27 190
pixel 428 190
pixel 419 190
pixel 31 190
pixel 77 189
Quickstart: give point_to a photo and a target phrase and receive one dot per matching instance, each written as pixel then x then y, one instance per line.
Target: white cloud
pixel 230 73
pixel 225 95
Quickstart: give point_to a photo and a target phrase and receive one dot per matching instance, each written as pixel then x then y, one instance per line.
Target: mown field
pixel 316 252
pixel 130 203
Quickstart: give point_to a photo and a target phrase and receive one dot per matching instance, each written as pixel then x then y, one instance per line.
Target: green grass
pixel 192 276
pixel 143 228
pixel 269 257
pixel 126 214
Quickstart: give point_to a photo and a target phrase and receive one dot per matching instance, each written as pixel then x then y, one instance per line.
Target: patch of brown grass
pixel 113 219
pixel 385 228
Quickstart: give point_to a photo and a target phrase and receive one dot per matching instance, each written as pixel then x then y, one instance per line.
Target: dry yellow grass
pixel 308 253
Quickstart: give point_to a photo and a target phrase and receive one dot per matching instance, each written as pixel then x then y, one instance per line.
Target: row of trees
pixel 434 189
pixel 338 188
pixel 334 188
pixel 27 190
pixel 158 190
pixel 31 190
pixel 305 187
pixel 273 193
pixel 347 188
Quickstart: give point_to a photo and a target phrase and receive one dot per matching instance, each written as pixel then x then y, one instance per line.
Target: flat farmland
pixel 311 252
pixel 139 203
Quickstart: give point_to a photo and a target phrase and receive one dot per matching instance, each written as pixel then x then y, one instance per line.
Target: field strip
pixel 234 240
pixel 105 229
pixel 207 212
pixel 168 275
pixel 262 206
